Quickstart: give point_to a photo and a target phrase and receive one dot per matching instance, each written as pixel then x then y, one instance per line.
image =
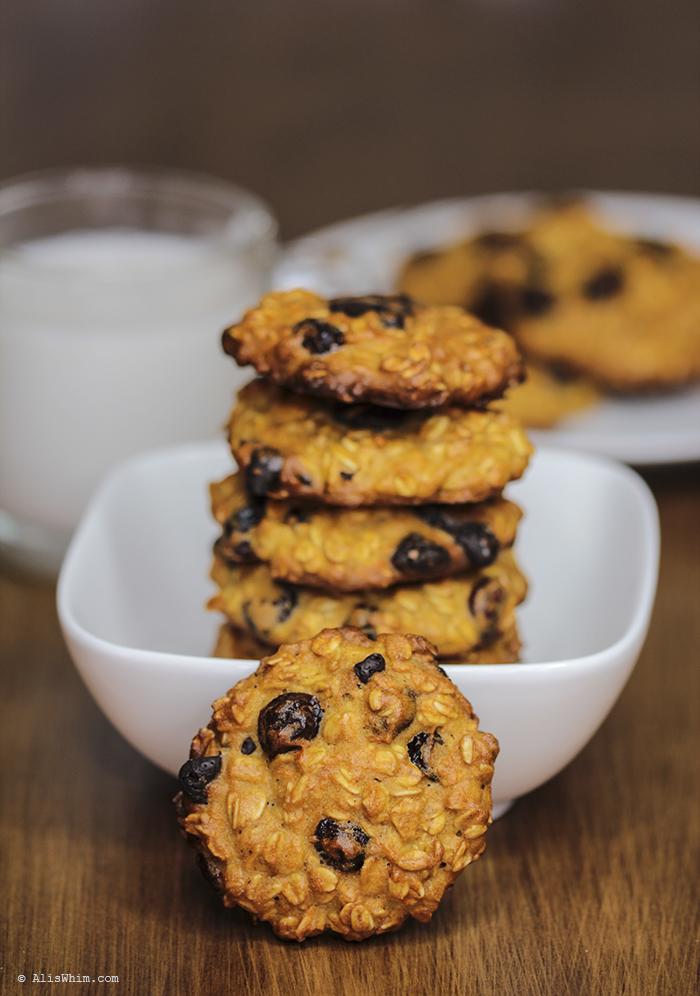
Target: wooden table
pixel 590 884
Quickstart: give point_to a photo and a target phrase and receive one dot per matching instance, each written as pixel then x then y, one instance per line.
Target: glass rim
pixel 246 219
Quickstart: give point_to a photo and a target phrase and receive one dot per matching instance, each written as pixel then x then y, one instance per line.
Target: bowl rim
pixel 630 640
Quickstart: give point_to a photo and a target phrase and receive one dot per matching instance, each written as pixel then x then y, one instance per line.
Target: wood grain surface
pixel 590 884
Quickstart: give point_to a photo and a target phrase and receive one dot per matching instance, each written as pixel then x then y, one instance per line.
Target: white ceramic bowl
pixel 134 582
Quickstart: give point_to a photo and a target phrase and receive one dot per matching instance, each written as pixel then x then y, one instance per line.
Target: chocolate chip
pixel 341 844
pixel 393 309
pixel 244 552
pixel 248 746
pixel 234 553
pixel 196 774
pixel 436 516
pixel 476 539
pixel 286 602
pixel 419 750
pixel 416 554
pixel 369 666
pixel 369 631
pixel 486 598
pixel 347 475
pixel 561 372
pixel 319 337
pixel 488 638
pixel 369 417
pixel 478 542
pixel 245 518
pixel 605 283
pixel 211 869
pixel 289 717
pixel 497 241
pixel 229 546
pixel 535 301
pixel 263 471
pixel 492 305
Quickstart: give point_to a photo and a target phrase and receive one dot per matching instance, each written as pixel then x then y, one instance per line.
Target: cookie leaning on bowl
pixel 348 549
pixel 382 349
pixel 287 829
pixel 293 446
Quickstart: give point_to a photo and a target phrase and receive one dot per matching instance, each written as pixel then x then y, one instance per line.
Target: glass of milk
pixel 114 288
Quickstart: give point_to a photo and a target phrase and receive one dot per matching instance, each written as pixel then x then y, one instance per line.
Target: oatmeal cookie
pixel 233 643
pixel 348 549
pixel 386 350
pixel 459 615
pixel 292 446
pixel 343 786
pixel 625 312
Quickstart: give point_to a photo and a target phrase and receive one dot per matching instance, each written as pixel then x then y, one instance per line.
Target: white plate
pixel 134 582
pixel 365 254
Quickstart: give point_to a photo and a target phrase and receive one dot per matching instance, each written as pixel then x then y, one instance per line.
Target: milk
pixel 109 345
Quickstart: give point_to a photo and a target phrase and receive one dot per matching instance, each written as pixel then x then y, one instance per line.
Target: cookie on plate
pixel 381 349
pixel 348 549
pixel 343 786
pixel 459 615
pixel 234 643
pixel 293 446
pixel 625 312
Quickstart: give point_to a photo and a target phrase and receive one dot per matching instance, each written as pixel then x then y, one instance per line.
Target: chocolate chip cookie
pixel 625 312
pixel 381 349
pixel 343 786
pixel 347 549
pixel 292 446
pixel 459 615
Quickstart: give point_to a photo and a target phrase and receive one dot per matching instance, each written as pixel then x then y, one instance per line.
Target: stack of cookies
pixel 371 471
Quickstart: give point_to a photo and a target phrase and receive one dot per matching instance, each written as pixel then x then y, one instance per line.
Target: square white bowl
pixel 133 585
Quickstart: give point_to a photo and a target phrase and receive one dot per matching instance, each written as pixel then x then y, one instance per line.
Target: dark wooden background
pixel 589 885
pixel 337 107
